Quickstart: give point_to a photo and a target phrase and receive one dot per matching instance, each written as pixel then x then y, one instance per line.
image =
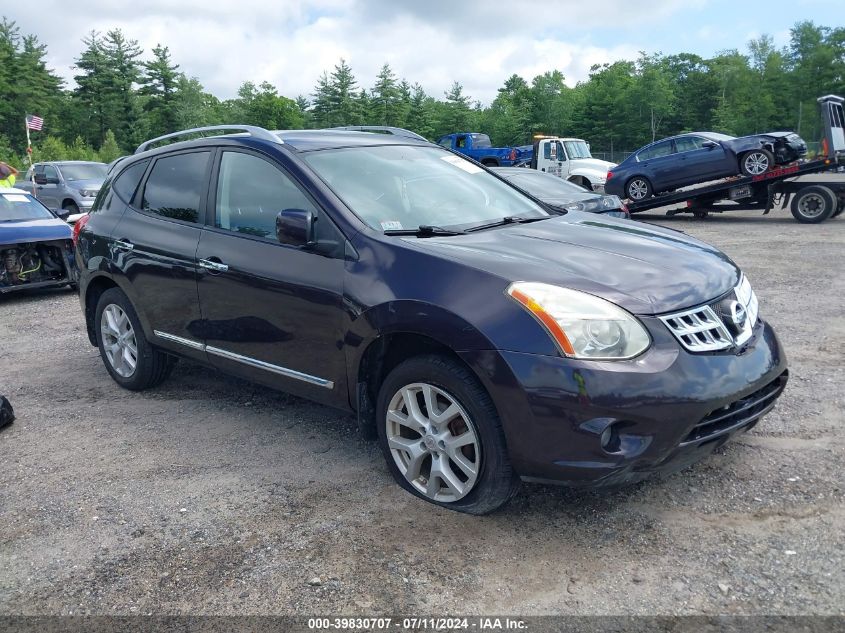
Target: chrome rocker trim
pixel 246 360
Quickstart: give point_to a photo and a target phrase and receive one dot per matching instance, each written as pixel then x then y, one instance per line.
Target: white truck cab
pixel 570 159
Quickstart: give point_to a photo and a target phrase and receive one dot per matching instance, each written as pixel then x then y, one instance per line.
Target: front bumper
pixel 667 408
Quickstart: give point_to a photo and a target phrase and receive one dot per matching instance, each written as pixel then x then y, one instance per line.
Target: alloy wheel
pixel 756 163
pixel 637 189
pixel 119 341
pixel 433 442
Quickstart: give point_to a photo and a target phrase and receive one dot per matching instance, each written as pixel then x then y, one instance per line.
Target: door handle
pixel 123 245
pixel 217 267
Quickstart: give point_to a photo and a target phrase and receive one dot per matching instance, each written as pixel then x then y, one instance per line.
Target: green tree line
pixel 122 97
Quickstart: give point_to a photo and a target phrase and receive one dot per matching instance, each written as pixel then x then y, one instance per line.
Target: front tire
pixel 442 438
pixel 756 162
pixel 639 188
pixel 127 354
pixel 71 207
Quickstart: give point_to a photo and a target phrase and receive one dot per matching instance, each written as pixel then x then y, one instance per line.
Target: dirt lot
pixel 211 495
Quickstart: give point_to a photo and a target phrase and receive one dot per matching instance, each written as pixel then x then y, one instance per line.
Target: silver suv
pixel 67 187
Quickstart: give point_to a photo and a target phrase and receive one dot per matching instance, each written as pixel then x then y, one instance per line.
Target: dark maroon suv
pixel 482 336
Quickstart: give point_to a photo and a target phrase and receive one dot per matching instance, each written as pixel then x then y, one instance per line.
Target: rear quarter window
pixel 127 181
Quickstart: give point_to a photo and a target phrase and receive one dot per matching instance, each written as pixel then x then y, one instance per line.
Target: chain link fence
pixel 614 156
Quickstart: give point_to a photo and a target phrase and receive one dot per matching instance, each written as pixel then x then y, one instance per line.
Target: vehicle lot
pixel 211 495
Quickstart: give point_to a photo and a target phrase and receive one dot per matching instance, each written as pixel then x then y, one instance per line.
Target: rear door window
pixel 175 186
pixel 656 151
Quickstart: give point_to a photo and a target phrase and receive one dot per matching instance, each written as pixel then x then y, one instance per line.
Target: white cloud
pixel 476 42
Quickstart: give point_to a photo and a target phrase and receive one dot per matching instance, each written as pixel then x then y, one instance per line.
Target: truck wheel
pixel 813 204
pixel 839 209
pixel 639 188
pixel 489 162
pixel 756 162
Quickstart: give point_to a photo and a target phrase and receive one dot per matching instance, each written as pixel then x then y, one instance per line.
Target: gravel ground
pixel 210 495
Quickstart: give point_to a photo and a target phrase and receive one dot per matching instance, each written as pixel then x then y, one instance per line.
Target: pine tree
pixel 344 99
pixel 385 101
pixel 159 84
pixel 109 150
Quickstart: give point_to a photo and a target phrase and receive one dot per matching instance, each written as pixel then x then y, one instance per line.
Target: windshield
pixel 544 186
pixel 21 206
pixel 396 187
pixel 92 171
pixel 716 136
pixel 577 149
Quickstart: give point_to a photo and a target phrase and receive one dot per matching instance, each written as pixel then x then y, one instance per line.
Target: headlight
pixel 88 193
pixel 599 203
pixel 582 325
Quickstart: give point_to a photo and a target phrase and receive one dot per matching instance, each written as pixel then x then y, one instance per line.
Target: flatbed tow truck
pixel 812 202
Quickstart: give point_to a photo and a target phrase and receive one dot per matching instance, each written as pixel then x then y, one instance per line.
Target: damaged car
pixel 690 159
pixel 36 249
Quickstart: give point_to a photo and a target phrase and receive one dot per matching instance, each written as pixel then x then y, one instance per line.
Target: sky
pixel 479 43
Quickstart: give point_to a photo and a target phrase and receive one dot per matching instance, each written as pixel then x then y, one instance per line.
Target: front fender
pixel 408 317
pixel 593 175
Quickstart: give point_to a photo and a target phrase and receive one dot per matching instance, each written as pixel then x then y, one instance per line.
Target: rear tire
pixel 813 204
pixel 756 162
pixel 468 446
pixel 129 357
pixel 638 188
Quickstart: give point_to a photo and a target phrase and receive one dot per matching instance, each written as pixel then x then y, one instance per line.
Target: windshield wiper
pixel 508 219
pixel 424 230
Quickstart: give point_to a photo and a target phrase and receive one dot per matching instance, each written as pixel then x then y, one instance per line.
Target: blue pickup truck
pixel 479 147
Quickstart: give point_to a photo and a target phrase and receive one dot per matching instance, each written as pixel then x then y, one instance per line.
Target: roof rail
pixel 252 130
pixel 382 129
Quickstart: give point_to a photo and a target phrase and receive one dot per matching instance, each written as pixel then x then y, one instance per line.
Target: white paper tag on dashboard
pixel 391 225
pixel 15 197
pixel 460 163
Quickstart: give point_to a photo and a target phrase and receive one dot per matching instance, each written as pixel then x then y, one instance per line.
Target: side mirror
pixel 63 214
pixel 40 179
pixel 295 227
pixel 709 144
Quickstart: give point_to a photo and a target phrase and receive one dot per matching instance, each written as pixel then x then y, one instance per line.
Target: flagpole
pixel 29 156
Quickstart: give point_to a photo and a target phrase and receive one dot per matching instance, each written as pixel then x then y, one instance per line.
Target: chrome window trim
pixel 246 360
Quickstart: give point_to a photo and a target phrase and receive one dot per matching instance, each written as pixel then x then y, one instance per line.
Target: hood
pixel 644 269
pixel 593 164
pixel 562 201
pixel 90 183
pixel 41 230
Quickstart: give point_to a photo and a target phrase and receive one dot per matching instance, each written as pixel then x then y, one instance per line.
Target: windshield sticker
pixel 15 197
pixel 459 162
pixel 391 225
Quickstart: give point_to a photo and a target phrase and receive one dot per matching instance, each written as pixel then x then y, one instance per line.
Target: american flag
pixel 34 122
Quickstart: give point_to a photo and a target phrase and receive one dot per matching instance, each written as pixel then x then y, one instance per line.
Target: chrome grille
pixel 711 327
pixel 699 329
